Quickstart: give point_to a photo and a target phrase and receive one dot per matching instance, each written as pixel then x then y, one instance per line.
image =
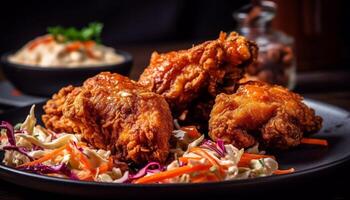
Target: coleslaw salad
pixel 194 159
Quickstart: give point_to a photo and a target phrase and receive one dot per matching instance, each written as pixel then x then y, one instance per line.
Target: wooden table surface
pixel 331 87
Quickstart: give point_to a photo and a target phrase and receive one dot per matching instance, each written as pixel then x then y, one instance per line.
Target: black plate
pixel 45 81
pixel 308 161
pixel 10 97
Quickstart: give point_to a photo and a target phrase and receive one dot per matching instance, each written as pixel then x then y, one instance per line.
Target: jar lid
pixel 257 13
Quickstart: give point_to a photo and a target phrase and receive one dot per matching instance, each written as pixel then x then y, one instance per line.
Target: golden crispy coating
pixel 200 73
pixel 54 115
pixel 260 112
pixel 112 112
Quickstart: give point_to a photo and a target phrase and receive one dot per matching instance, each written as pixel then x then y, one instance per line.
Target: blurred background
pixel 319 28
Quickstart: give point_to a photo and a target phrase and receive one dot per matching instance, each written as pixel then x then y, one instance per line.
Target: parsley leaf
pixel 262 162
pixel 18 126
pixel 91 32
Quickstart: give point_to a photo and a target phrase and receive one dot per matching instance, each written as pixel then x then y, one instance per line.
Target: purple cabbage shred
pixel 20 150
pixel 9 132
pixel 219 148
pixel 45 169
pixel 221 145
pixel 151 167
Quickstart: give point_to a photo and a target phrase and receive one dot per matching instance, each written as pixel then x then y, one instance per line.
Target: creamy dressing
pixel 50 53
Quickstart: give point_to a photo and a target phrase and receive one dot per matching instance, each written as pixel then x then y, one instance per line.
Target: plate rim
pixel 257 180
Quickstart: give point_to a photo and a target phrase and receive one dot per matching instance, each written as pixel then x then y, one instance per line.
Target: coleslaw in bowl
pixel 68 48
pixel 45 51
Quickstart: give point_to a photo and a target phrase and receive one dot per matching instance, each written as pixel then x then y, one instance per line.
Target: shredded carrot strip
pixel 37 42
pixel 89 44
pixel 74 46
pixel 86 173
pixel 210 158
pixel 90 54
pixel 256 156
pixel 186 159
pixel 72 154
pixel 84 160
pixel 76 154
pixel 243 162
pixel 212 177
pixel 200 178
pixel 110 163
pixel 247 157
pixel 191 131
pixel 46 157
pixel 103 168
pixel 171 173
pixel 314 141
pixel 206 155
pixel 55 174
pixel 285 171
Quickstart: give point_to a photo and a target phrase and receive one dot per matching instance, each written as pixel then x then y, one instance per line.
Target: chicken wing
pixel 192 78
pixel 272 115
pixel 115 113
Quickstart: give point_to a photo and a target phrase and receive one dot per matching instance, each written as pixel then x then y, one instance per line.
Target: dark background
pixel 126 21
pixel 320 27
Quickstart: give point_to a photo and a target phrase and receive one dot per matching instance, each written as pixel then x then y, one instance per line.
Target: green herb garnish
pixel 91 32
pixel 262 162
pixel 213 168
pixel 18 126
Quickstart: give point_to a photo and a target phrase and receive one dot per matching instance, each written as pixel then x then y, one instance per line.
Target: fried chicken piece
pixel 53 118
pixel 115 113
pixel 192 78
pixel 272 115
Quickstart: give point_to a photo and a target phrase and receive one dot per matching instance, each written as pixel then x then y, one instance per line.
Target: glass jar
pixel 276 62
